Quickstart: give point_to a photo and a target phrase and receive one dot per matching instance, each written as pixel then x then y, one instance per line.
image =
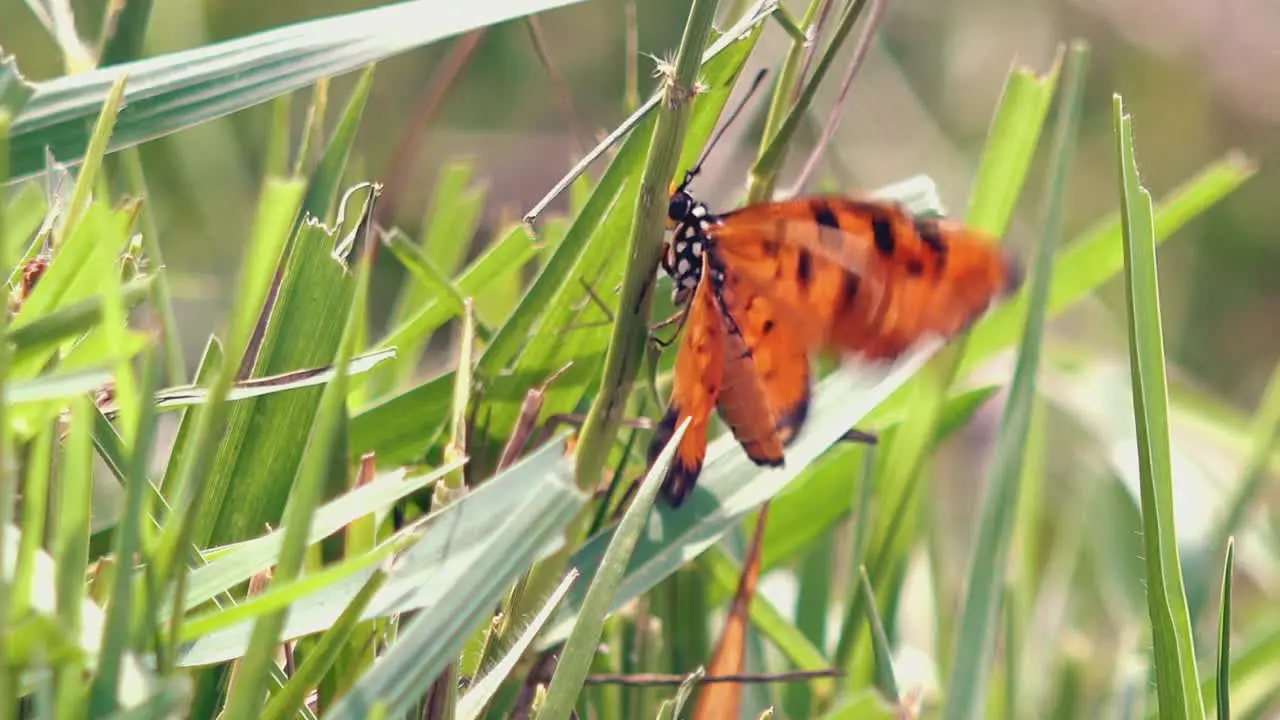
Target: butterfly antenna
pixel 697 168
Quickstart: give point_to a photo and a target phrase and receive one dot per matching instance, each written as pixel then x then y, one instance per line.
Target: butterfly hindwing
pixel 744 402
pixel 699 373
pixel 779 356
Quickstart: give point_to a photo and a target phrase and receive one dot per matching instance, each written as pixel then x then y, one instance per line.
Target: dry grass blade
pixel 724 701
pixel 874 15
pixel 405 157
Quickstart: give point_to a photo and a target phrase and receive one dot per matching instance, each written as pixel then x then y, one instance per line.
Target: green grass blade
pixel 248 483
pixel 886 679
pixel 9 475
pixel 1253 673
pixel 231 565
pixel 70 549
pixel 1016 126
pixel 1223 679
pixel 504 258
pixel 189 469
pixel 306 490
pixel 820 497
pixel 128 542
pixel 87 179
pixel 784 91
pixel 69 320
pixel 400 428
pixel 580 647
pixel 286 701
pixel 900 477
pixel 482 691
pixel 967 686
pixel 179 90
pixel 630 328
pixel 760 180
pixel 1176 677
pixel 507 522
pixel 470 553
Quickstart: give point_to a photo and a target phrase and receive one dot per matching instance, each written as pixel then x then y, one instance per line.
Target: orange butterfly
pixel 775 282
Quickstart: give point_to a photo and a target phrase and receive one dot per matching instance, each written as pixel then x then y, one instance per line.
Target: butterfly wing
pixel 864 276
pixel 744 402
pixel 779 355
pixel 699 373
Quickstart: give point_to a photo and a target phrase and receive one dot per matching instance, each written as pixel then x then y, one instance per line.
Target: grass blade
pixel 312 471
pixel 886 678
pixel 483 690
pixel 967 686
pixel 171 92
pixel 630 328
pixel 1025 103
pixel 286 702
pixel 1177 686
pixel 580 648
pixel 1224 634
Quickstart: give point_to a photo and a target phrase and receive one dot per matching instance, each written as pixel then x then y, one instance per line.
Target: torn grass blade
pixel 1177 686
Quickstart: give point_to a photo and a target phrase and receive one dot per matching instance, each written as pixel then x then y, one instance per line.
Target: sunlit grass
pixel 368 508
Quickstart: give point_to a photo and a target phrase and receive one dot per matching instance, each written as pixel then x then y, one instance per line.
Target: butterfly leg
pixel 554 422
pixel 594 299
pixel 678 319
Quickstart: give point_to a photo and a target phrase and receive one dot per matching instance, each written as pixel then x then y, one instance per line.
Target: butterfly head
pixel 680 207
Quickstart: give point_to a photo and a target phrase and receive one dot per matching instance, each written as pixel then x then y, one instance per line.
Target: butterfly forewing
pixel 865 277
pixel 699 372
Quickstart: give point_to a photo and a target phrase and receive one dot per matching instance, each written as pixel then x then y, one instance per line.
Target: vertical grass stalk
pixel 626 345
pixel 967 685
pixel 1177 683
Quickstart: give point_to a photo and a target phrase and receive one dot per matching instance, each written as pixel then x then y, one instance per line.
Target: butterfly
pixel 765 287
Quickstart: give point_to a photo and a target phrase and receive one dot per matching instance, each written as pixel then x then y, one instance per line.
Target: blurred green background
pixel 1196 74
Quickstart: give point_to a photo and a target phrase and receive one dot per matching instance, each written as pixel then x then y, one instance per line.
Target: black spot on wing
pixel 681 477
pixel 849 293
pixel 882 233
pixel 823 216
pixel 791 419
pixel 662 433
pixel 679 482
pixel 915 268
pixel 927 228
pixel 804 267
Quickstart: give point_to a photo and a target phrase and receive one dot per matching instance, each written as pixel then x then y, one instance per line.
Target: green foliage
pixel 330 535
